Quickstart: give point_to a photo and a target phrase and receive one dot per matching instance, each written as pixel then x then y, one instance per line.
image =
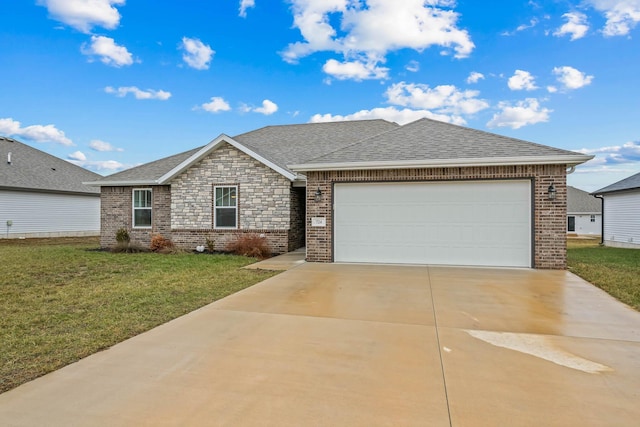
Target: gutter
pixel 597 196
pixel 469 162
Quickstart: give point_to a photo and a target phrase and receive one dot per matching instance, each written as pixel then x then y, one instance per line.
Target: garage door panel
pixel 456 223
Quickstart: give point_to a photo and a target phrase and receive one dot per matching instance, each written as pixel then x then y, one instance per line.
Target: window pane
pixel 225 217
pixel 142 218
pixel 225 196
pixel 142 198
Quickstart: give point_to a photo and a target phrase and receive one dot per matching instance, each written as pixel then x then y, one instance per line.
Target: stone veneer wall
pixel 116 210
pixel 549 217
pixel 263 194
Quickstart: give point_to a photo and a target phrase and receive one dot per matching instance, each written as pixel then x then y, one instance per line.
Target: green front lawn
pixel 615 270
pixel 62 300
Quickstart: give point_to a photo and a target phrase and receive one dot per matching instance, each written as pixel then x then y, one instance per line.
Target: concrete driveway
pixel 365 345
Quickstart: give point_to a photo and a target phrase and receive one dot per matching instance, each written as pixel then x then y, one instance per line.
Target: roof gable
pixel 427 142
pixel 34 170
pixel 273 146
pixel 579 201
pixel 631 183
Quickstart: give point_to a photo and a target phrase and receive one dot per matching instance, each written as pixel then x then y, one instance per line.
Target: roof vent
pixel 9 158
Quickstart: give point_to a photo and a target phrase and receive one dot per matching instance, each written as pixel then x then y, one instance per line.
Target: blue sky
pixel 109 84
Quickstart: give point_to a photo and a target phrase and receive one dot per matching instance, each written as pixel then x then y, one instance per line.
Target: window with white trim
pixel 226 206
pixel 593 218
pixel 142 202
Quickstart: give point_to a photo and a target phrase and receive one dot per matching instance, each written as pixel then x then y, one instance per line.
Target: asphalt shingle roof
pixel 283 145
pixel 153 170
pixel 32 169
pixel 359 141
pixel 630 183
pixel 579 201
pixel 435 140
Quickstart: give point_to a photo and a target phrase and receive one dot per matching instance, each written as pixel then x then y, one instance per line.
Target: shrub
pixel 161 244
pixel 210 245
pixel 122 236
pixel 251 245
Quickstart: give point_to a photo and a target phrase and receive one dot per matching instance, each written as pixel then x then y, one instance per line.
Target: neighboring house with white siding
pixel 43 196
pixel 621 213
pixel 584 213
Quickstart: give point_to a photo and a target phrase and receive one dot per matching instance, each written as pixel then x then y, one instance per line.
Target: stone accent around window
pixel 549 216
pixel 264 200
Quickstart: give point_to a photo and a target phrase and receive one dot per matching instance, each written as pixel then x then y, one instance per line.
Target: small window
pixel 226 207
pixel 593 218
pixel 142 208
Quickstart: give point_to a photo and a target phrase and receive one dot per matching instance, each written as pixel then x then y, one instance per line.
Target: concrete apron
pixel 364 345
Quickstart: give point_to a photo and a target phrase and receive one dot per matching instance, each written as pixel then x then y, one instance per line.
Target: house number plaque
pixel 318 221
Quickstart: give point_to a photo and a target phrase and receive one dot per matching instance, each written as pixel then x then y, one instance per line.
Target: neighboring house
pixel 361 191
pixel 621 213
pixel 44 196
pixel 584 213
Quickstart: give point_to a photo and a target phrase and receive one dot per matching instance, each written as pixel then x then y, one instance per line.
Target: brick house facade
pixel 268 205
pixel 548 215
pixel 276 171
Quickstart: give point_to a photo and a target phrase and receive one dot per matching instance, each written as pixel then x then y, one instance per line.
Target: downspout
pixel 601 219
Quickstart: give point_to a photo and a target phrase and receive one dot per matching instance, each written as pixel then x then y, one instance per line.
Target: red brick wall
pixel 549 217
pixel 116 212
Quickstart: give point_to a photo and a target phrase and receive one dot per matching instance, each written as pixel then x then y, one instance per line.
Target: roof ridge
pixel 484 132
pixel 360 140
pixel 314 123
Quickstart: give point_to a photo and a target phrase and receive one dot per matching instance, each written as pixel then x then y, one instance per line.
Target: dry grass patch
pixel 62 300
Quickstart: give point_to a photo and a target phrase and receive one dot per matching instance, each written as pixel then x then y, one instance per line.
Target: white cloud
pixel 355 70
pixel 36 133
pixel 576 26
pixel 138 93
pixel 616 154
pixel 244 5
pixel 522 80
pixel 523 113
pixel 78 155
pixel 197 54
pixel 268 108
pixel 622 15
pixel 521 27
pixel 83 15
pixel 570 78
pixel 102 146
pixel 412 101
pixel 109 52
pixel 552 89
pixel 475 77
pixel 97 165
pixel 374 27
pixel 216 105
pixel 392 114
pixel 413 66
pixel 444 99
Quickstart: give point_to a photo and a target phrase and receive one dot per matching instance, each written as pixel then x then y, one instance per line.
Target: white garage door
pixel 484 223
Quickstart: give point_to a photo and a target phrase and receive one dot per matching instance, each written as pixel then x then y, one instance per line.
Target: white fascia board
pixel 407 164
pixel 213 145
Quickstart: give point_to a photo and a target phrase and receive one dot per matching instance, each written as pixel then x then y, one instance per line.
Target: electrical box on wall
pixel 9 223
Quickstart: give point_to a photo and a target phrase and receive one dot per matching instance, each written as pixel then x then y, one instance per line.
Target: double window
pixel 226 206
pixel 142 202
